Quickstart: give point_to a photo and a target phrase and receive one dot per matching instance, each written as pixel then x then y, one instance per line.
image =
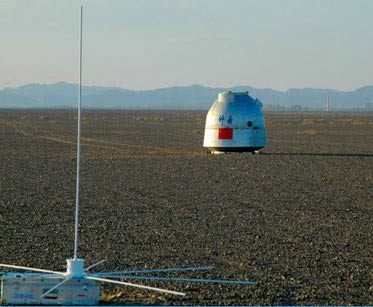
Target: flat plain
pixel 297 219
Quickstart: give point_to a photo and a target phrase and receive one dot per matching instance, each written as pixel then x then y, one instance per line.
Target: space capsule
pixel 235 123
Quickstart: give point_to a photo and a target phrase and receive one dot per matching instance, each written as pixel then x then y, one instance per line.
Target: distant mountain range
pixel 197 97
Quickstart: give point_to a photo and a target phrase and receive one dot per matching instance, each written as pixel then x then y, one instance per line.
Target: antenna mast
pixel 78 141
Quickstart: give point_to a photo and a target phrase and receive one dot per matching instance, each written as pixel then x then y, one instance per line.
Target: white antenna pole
pixel 79 134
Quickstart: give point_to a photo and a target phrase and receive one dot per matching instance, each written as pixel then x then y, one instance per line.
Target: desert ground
pixel 297 219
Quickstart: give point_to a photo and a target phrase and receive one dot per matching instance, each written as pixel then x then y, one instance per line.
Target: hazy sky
pixel 140 44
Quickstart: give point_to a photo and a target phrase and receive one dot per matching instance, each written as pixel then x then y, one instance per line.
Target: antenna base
pixel 75 267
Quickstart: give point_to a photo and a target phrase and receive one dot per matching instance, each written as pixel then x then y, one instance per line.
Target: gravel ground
pixel 297 219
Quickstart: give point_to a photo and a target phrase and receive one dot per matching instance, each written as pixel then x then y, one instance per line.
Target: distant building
pixel 296 107
pixel 369 106
pixel 327 105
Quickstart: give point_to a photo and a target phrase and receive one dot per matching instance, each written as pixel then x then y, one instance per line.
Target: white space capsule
pixel 235 123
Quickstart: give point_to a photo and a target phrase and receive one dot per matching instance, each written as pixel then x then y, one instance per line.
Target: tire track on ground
pixel 108 146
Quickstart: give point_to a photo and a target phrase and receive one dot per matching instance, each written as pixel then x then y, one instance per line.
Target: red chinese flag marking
pixel 225 133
